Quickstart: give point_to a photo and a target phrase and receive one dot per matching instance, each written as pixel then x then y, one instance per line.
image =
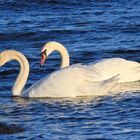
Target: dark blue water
pixel 90 30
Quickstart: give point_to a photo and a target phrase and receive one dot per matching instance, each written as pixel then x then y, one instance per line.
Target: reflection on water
pixel 127 87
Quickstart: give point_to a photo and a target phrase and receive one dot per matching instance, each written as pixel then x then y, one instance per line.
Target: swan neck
pixel 23 74
pixel 64 56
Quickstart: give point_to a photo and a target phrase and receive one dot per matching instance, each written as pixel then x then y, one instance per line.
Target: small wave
pixel 131 29
pixel 6 72
pixel 121 51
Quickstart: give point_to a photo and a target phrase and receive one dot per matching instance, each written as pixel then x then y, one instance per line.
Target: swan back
pixel 127 70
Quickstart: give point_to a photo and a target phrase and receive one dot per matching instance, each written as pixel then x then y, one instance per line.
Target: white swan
pixel 127 70
pixel 76 80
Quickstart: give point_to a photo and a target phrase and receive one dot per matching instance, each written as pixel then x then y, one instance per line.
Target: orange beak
pixel 43 58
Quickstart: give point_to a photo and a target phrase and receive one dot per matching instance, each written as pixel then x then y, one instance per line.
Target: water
pixel 90 30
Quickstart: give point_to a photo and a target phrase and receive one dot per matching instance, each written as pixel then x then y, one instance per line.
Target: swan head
pixel 47 49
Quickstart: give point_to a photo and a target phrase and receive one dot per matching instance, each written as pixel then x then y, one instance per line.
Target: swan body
pixel 76 80
pixel 127 71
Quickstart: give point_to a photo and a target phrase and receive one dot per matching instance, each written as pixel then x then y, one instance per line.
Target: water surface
pixel 91 30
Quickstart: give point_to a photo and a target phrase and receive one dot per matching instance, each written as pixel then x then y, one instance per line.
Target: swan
pixel 75 80
pixel 128 71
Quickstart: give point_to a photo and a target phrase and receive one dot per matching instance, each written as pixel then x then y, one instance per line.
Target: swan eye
pixel 44 52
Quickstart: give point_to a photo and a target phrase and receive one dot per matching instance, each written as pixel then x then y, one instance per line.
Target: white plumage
pixel 128 71
pixel 76 80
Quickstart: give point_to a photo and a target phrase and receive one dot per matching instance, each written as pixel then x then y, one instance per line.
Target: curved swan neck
pixel 64 55
pixel 24 71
